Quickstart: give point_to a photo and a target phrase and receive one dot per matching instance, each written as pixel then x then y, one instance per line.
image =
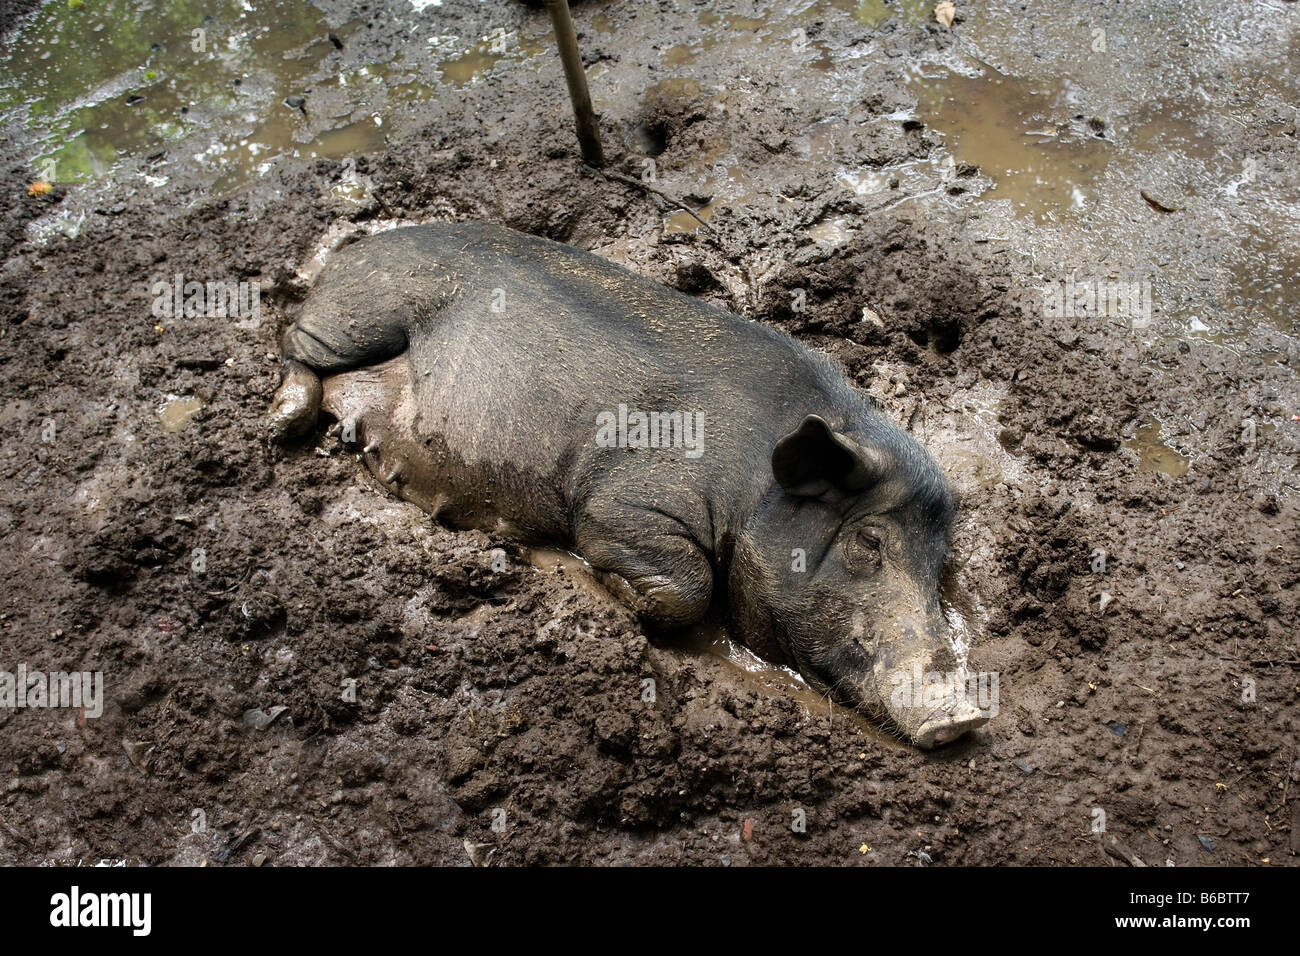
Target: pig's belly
pixel 406 442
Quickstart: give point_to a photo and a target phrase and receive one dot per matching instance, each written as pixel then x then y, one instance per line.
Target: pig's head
pixel 838 571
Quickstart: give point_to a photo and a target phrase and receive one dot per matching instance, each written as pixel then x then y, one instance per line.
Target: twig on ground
pixel 672 201
pixel 1119 851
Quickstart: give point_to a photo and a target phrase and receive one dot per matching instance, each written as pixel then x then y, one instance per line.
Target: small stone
pixel 479 853
pixel 138 752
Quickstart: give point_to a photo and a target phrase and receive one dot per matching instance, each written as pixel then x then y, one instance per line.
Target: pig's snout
pixel 945 726
pixel 932 705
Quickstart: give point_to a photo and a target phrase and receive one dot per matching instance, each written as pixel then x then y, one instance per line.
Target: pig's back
pixel 517 344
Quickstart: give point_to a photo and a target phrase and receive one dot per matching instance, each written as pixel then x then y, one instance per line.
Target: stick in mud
pixel 567 42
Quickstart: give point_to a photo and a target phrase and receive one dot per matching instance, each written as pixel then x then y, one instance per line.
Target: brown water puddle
pixel 488 53
pixel 177 412
pixel 1017 135
pixel 1154 454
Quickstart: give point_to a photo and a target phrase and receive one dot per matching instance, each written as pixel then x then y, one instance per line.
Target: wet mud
pixel 300 669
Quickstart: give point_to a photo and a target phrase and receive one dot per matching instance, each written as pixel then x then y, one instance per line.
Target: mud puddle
pixel 1153 454
pixel 1016 134
pixel 230 87
pixel 177 412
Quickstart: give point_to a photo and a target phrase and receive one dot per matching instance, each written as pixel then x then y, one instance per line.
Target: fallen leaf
pixel 1156 203
pixel 945 12
pixel 39 188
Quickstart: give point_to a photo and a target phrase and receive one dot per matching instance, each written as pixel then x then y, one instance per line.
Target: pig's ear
pixel 813 459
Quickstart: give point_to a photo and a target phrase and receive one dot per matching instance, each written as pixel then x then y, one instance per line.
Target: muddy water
pixel 217 84
pixel 501 46
pixel 1154 454
pixel 1014 134
pixel 177 412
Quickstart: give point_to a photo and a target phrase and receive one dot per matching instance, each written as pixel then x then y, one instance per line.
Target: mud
pixel 893 193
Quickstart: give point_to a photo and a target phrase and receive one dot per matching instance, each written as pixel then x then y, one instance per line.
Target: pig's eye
pixel 869 543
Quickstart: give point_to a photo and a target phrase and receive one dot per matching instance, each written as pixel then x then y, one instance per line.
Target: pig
pixel 695 459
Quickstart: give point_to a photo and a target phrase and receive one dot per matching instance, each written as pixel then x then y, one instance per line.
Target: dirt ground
pixel 439 710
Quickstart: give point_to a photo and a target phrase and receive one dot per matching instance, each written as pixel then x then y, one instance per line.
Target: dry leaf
pixel 945 12
pixel 1155 203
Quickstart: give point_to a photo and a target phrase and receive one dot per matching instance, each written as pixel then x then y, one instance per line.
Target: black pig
pixel 509 383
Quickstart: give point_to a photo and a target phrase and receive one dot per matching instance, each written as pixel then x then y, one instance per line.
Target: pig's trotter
pixel 296 403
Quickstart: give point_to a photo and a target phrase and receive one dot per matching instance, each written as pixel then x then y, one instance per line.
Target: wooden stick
pixel 567 41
